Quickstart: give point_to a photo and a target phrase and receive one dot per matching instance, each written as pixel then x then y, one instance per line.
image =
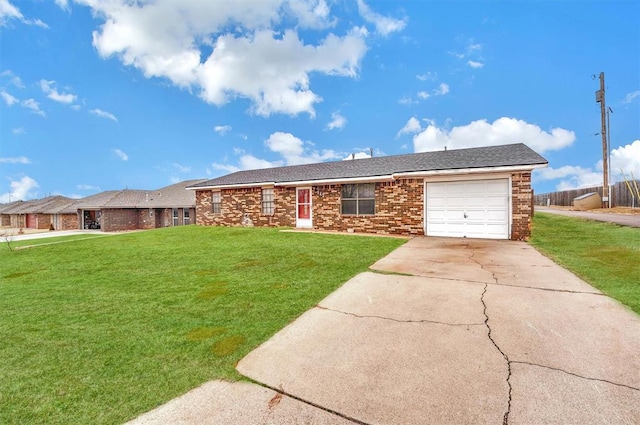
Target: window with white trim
pixel 185 216
pixel 267 201
pixel 216 202
pixel 358 199
pixel 175 217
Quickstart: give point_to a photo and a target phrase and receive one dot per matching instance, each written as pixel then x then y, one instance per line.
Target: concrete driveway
pixel 442 331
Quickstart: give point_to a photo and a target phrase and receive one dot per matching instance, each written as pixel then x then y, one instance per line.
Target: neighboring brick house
pixel 51 212
pixel 112 210
pixel 120 210
pixel 477 193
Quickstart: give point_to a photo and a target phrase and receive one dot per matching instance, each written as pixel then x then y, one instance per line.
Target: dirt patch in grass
pixel 200 334
pixel 228 345
pixel 213 291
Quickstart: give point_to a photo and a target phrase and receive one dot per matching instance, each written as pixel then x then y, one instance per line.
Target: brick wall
pixel 120 219
pixel 146 218
pixel 236 203
pixel 398 209
pixel 521 202
pixel 67 221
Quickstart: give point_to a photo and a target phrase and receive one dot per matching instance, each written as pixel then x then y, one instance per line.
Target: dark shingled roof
pixel 484 157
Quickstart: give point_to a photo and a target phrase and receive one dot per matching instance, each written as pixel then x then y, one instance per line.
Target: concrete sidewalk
pixel 475 332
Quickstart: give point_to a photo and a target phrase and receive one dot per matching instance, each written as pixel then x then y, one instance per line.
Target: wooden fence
pixel 620 196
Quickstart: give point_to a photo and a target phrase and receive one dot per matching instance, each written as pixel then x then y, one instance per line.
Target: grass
pixel 101 330
pixel 603 254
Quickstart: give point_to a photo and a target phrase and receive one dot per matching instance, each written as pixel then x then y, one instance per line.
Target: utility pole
pixel 605 143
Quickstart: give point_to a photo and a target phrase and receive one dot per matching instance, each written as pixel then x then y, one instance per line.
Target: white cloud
pixel 20 189
pixel 36 22
pixel 222 129
pixel 123 156
pixel 103 114
pixel 411 127
pixel 423 95
pixel 482 133
pixel 33 106
pixel 337 122
pixel 9 100
pixel 272 69
pixel 358 155
pixel 87 187
pixel 312 14
pixel 291 149
pixel 471 52
pixel 18 130
pixel 63 4
pixel 630 97
pixel 573 177
pixel 442 89
pixel 384 25
pixel 53 94
pixel 181 168
pixel 407 101
pixel 627 159
pixel 15 160
pixel 294 151
pixel 427 76
pixel 274 72
pixel 13 78
pixel 247 162
pixel 8 11
pixel 623 159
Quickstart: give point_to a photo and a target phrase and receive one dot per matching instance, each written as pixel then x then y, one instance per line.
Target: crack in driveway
pixel 396 320
pixel 505 418
pixel 576 375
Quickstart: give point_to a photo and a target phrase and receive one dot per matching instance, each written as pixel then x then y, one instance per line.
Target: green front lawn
pixel 101 330
pixel 605 255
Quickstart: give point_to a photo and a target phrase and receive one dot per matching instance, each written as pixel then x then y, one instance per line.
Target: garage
pixel 468 208
pixel 32 221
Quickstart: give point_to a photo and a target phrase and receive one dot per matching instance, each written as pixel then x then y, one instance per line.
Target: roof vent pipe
pixel 371 152
pixel 353 156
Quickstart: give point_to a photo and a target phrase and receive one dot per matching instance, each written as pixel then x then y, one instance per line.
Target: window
pixel 185 217
pixel 267 201
pixel 175 216
pixel 216 203
pixel 359 199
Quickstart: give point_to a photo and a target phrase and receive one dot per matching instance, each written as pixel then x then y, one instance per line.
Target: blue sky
pixel 105 94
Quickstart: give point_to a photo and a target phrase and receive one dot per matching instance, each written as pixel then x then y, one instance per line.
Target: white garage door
pixel 472 209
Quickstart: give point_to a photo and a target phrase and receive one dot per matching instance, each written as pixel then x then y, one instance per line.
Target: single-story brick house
pixel 477 193
pixel 51 212
pixel 127 209
pixel 111 210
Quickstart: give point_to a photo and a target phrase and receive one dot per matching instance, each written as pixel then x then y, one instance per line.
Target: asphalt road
pixel 621 219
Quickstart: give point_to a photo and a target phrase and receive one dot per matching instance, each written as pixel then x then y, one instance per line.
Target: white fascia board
pixel 484 170
pixel 337 181
pixel 232 186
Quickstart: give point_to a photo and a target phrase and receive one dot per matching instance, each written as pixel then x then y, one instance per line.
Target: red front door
pixel 303 208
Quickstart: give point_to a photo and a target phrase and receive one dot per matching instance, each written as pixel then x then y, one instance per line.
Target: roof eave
pixel 480 170
pixel 231 186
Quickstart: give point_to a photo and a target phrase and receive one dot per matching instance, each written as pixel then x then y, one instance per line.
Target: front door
pixel 303 207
